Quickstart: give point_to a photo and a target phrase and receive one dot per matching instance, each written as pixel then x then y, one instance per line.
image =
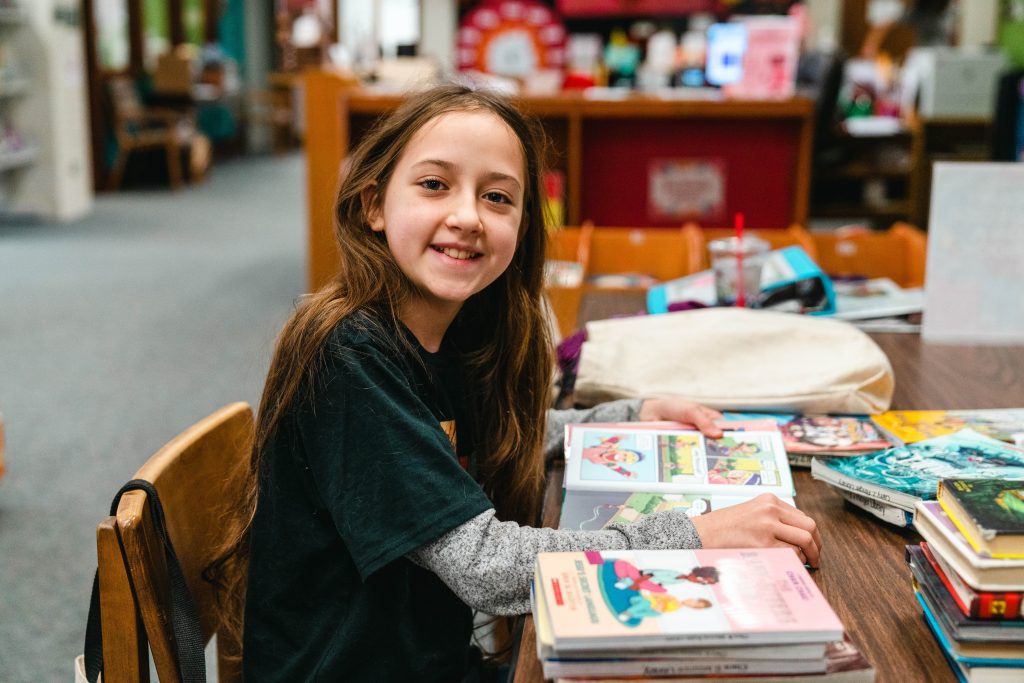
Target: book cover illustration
pixel 908 426
pixel 676 461
pixel 904 474
pixel 637 599
pixel 996 506
pixel 828 434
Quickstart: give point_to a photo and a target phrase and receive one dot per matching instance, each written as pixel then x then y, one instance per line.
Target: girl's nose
pixel 465 216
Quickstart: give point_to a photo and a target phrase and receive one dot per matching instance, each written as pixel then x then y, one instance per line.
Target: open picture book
pixel 621 472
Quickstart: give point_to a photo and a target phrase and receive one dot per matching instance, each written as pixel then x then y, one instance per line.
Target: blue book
pixel 903 475
pixel 790 281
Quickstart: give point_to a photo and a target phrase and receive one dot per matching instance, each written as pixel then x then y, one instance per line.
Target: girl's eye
pixel 497 198
pixel 432 184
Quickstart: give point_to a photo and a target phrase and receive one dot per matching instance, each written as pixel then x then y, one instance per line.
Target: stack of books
pixel 968 575
pixel 619 472
pixel 890 483
pixel 688 615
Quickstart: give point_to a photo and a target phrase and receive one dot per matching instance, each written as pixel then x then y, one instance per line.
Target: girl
pixel 398 457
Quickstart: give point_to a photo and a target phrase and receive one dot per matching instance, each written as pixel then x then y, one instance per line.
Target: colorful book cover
pixel 982 605
pixel 829 434
pixel 909 426
pixel 903 475
pixel 989 512
pixel 945 609
pixel 634 599
pixel 981 572
pixel 676 461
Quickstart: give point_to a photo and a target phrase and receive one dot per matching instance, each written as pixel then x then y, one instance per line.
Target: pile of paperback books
pixel 968 575
pixel 745 615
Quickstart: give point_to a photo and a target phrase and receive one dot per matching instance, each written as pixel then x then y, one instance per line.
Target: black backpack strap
pixel 184 618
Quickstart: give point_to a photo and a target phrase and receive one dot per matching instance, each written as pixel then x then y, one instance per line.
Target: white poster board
pixel 974 283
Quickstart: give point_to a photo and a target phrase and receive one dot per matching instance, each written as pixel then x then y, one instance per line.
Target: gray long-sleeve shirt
pixel 489 564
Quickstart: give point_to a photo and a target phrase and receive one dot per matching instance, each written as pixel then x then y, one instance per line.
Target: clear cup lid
pixel 748 246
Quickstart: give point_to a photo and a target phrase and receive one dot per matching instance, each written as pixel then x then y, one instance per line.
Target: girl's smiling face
pixel 453 207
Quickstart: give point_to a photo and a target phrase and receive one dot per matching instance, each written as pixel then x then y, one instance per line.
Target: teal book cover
pixel 916 469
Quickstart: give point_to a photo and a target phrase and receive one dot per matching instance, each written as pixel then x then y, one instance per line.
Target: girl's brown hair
pixel 502 331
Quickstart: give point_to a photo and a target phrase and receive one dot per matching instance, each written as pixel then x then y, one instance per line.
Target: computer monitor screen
pixel 726 45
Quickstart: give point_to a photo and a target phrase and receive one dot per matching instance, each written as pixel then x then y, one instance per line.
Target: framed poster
pixel 682 189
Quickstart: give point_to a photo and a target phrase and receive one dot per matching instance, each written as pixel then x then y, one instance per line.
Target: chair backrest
pixel 200 476
pixel 899 253
pixel 125 101
pixel 663 253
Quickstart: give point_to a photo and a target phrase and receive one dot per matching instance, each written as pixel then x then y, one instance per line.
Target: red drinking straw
pixel 738 222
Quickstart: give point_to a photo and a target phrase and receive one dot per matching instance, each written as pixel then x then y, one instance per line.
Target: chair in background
pixel 568 258
pixel 200 476
pixel 140 127
pixel 899 253
pixel 635 258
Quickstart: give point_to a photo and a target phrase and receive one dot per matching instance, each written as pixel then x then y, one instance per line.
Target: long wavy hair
pixel 502 332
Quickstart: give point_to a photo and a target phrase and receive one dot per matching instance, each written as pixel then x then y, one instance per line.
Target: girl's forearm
pixel 489 564
pixel 624 410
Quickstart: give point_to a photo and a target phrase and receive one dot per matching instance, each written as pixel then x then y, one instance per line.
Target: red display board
pixel 758 163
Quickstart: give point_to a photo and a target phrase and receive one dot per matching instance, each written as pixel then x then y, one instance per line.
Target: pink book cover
pixel 634 599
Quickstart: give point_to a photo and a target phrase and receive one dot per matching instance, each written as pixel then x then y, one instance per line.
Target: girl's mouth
pixel 458 254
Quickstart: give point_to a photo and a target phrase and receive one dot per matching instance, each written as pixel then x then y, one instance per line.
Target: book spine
pixel 974 604
pixel 996 606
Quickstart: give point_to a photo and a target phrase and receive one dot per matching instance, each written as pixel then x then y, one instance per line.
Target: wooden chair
pixel 794 235
pixel 660 253
pixel 139 127
pixel 569 245
pixel 899 253
pixel 200 477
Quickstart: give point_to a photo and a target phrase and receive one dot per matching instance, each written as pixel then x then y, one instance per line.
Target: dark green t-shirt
pixel 358 474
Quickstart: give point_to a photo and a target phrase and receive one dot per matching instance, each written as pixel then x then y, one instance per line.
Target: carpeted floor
pixel 116 332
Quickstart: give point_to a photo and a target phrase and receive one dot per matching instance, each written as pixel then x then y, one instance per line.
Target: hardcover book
pixel 903 475
pixel 909 426
pixel 944 608
pixel 621 472
pixel 983 605
pixel 981 572
pixel 632 599
pixel 989 513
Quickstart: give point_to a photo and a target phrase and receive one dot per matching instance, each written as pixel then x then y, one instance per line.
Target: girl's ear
pixel 371 200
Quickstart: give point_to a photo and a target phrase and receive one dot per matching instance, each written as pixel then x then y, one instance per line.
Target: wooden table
pixel 863 574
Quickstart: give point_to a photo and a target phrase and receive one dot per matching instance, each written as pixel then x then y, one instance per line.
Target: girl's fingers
pixel 802 540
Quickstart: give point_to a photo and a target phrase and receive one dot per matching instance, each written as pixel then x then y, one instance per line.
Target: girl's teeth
pixel 457 253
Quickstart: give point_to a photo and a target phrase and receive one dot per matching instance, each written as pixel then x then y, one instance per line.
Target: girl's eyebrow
pixel 449 166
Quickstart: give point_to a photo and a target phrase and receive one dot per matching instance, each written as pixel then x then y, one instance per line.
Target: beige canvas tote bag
pixel 736 359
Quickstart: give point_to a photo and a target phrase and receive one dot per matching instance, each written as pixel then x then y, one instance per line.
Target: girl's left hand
pixel 679 410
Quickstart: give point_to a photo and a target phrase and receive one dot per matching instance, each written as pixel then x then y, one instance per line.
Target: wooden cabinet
pixel 605 149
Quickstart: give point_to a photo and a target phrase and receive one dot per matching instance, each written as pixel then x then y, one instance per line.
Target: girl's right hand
pixel 764 522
